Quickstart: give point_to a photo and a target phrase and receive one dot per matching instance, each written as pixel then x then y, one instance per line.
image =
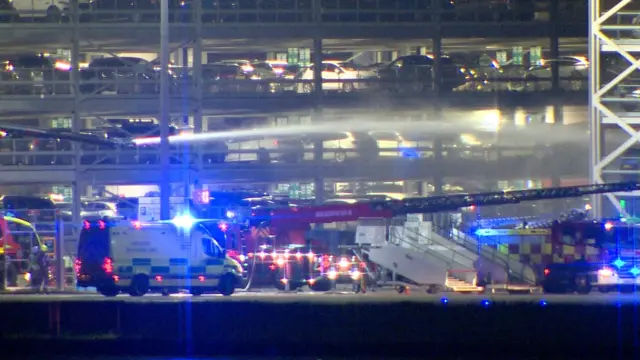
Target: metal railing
pixel 514 268
pixel 383 12
pixel 399 238
pixel 13 153
pixel 142 87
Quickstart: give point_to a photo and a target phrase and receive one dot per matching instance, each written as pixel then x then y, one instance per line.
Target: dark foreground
pixel 363 328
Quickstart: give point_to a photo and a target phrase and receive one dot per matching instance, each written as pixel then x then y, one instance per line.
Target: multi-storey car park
pixel 391 28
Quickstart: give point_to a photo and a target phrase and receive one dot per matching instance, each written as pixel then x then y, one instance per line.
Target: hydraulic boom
pixel 419 205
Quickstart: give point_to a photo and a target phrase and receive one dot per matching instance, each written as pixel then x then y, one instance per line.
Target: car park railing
pixel 304 11
pixel 278 88
pixel 95 157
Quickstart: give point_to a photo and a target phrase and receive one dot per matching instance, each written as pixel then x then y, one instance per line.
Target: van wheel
pixel 226 286
pixel 109 291
pixel 340 156
pixel 139 285
pixel 583 286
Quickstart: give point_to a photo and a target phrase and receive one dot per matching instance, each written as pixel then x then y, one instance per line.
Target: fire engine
pixel 17 239
pixel 569 254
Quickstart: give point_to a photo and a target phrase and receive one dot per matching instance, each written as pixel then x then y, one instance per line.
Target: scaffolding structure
pixel 614 92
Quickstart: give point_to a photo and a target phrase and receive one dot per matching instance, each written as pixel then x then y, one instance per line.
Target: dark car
pixel 65 147
pixel 414 73
pixel 230 78
pixel 35 209
pixel 122 75
pixel 34 74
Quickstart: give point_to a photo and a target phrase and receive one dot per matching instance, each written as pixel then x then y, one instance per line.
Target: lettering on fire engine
pixel 332 213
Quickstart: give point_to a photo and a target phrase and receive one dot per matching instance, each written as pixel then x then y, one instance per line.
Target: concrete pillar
pixel 437 67
pixel 554 46
pixel 438 181
pixel 318 185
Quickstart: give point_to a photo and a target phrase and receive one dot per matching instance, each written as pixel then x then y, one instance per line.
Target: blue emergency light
pixel 619 263
pixel 184 221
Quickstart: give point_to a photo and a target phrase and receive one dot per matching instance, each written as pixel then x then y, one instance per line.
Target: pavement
pixel 343 296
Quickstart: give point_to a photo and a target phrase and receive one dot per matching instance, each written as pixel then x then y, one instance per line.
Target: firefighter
pixel 39 269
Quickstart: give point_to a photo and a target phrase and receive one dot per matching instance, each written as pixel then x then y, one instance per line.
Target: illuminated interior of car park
pixel 417 88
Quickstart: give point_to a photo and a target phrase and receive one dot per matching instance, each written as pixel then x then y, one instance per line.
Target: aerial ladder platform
pixel 452 263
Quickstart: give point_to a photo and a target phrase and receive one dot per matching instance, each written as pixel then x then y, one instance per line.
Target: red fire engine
pixel 288 226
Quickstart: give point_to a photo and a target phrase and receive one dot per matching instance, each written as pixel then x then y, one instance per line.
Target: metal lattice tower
pixel 614 94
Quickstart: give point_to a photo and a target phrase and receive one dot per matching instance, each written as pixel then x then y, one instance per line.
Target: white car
pixel 52 10
pixel 336 76
pixel 574 67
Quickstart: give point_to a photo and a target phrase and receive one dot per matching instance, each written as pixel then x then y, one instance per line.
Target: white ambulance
pixel 164 256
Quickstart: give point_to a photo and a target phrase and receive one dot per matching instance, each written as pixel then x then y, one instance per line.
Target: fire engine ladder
pixel 441 203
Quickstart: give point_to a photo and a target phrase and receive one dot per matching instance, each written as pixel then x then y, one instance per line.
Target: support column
pixel 438 181
pixel 318 94
pixel 197 91
pixel 318 185
pixel 76 121
pixel 437 64
pixel 165 150
pixel 554 46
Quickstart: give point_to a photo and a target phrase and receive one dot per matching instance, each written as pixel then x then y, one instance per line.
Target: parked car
pixel 34 74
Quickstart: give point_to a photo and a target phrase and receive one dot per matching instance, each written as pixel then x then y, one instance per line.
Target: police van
pixel 164 256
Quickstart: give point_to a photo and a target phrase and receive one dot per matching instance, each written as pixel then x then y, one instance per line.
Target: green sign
pixel 535 55
pixel 293 56
pixel 299 56
pixel 623 204
pixel 518 55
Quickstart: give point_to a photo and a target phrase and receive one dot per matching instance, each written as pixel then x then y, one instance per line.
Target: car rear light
pixel 107 265
pixel 201 278
pixel 77 265
pixel 546 272
pixel 86 225
pixel 223 227
pixel 158 278
pixel 102 225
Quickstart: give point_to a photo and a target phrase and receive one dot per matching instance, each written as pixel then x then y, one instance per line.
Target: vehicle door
pixel 331 76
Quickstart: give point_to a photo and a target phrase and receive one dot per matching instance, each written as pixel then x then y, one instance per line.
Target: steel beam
pixel 197 87
pixel 611 30
pixel 76 121
pixel 165 150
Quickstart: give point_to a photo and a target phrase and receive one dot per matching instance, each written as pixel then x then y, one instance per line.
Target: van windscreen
pixel 214 229
pixel 93 245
